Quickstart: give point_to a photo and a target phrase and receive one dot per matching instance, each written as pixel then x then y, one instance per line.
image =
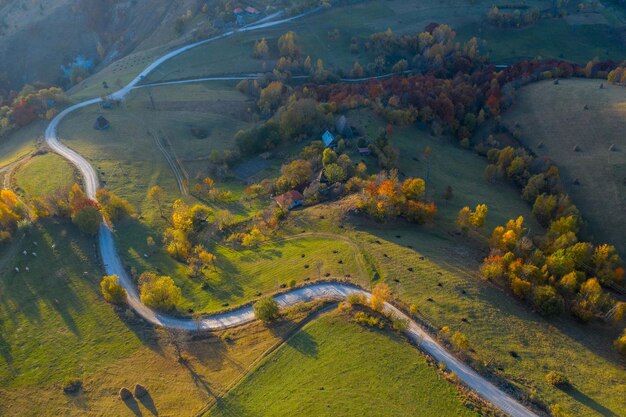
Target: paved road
pixel 113 266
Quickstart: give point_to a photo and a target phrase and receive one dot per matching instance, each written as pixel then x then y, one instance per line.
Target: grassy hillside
pixel 34 179
pixel 334 367
pixel 554 115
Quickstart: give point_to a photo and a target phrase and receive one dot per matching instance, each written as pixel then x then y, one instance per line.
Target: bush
pixel 72 385
pixel 459 340
pixel 356 298
pixel 112 291
pixel 88 220
pixel 266 309
pixel 158 291
pixel 367 320
pixel 547 301
pixel 399 324
pixel 620 343
pixel 556 379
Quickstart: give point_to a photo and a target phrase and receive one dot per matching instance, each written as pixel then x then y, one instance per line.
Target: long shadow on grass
pixel 584 399
pixel 133 406
pixel 148 402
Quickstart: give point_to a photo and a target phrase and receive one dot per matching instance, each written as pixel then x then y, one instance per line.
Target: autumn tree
pixel 157 195
pixel 113 207
pixel 261 49
pixel 467 218
pixel 620 343
pixel 380 294
pixel 112 291
pixel 459 341
pixel 158 291
pixel 296 172
pixel 287 45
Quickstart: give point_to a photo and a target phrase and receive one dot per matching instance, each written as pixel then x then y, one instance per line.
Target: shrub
pixel 380 295
pixel 112 291
pixel 399 324
pixel 413 309
pixel 266 309
pixel 368 320
pixel 556 379
pixel 356 298
pixel 158 291
pixel 88 220
pixel 459 340
pixel 620 343
pixel 71 385
pixel 292 283
pixel 547 301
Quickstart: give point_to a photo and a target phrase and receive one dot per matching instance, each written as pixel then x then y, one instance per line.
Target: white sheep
pixel 27 269
pixel 35 254
pixel 17 269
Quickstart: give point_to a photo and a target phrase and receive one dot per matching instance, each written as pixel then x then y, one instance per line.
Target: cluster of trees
pixel 539 179
pixel 30 104
pixel 435 50
pixel 469 219
pixel 292 62
pixel 385 197
pixel 299 118
pixel 502 17
pixel 12 213
pixel 113 207
pixel 555 272
pixel 181 238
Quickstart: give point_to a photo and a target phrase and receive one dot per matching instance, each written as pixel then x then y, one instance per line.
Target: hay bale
pixel 125 394
pixel 556 82
pixel 576 148
pixel 140 391
pixel 540 145
pixel 586 107
pixel 576 181
pixel 612 148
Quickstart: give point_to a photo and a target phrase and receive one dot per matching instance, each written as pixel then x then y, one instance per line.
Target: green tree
pixel 266 309
pixel 334 173
pixel 112 291
pixel 88 220
pixel 297 172
pixel 547 301
pixel 328 157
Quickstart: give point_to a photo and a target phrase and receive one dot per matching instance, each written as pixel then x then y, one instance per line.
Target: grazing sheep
pixel 17 269
pixel 27 269
pixel 35 254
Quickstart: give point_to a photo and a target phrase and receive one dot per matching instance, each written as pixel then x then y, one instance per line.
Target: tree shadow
pixel 304 343
pixel 148 403
pixel 133 406
pixel 584 399
pixel 199 381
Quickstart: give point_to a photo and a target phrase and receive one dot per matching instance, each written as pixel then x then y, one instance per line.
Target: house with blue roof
pixel 329 140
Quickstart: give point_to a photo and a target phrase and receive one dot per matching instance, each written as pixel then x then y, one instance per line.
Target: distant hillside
pixel 37 37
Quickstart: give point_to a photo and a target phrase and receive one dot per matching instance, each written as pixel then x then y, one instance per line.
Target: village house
pixel 329 140
pixel 290 200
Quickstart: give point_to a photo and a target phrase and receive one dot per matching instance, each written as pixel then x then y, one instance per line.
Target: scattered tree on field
pixel 266 309
pixel 112 291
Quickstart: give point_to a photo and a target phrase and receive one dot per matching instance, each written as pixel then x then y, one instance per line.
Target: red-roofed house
pixel 289 200
pixel 251 10
pixel 238 10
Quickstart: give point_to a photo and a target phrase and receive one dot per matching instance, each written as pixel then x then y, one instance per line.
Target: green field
pixel 44 175
pixel 19 143
pixel 333 367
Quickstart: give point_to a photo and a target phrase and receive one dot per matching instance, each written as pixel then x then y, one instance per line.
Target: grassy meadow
pixel 44 174
pixel 335 367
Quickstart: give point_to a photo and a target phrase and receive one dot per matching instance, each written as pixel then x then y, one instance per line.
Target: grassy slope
pixel 333 367
pixel 35 177
pixel 554 115
pixel 578 43
pixel 20 143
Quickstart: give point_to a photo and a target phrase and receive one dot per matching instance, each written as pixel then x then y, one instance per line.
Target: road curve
pixel 113 266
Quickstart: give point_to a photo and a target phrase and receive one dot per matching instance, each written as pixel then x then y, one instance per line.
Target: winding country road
pixel 113 264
